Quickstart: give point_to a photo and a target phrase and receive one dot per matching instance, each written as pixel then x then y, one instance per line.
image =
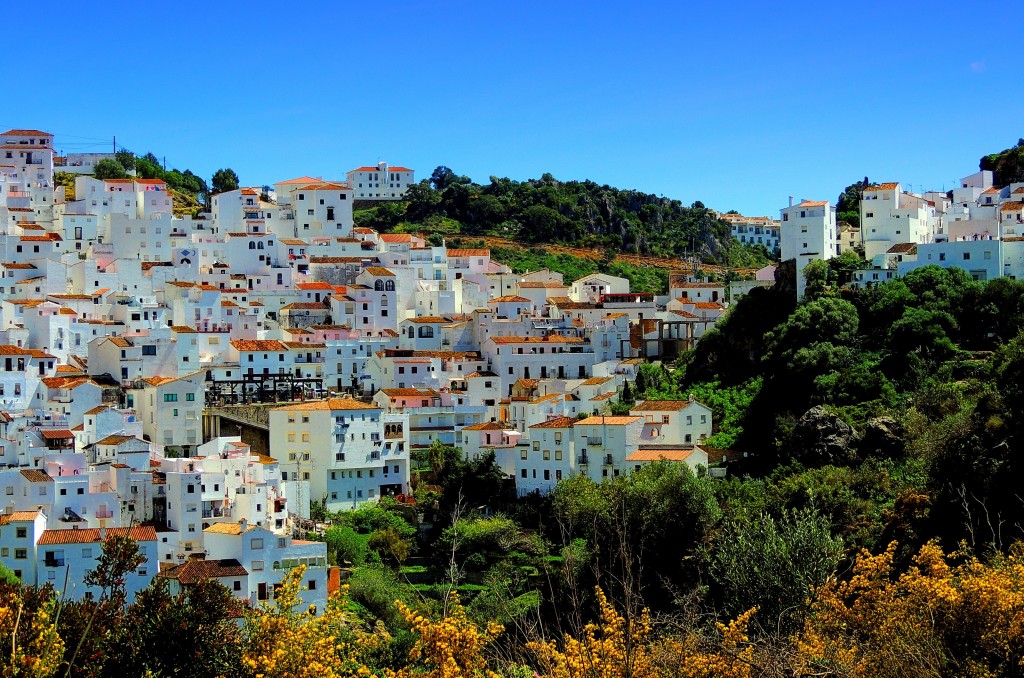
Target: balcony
pixel 583 460
pixel 595 442
pixel 104 513
pixel 608 461
pixel 54 562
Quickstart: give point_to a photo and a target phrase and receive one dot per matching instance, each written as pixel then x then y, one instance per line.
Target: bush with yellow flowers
pixel 29 640
pixel 449 647
pixel 287 642
pixel 949 614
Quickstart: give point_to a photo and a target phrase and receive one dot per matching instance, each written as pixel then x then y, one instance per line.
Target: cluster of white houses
pixel 977 226
pixel 131 338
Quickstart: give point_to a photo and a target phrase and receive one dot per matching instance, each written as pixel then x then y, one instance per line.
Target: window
pixel 21 532
pixel 522 454
pixel 967 256
pixel 190 397
pixel 256 544
pixel 21 554
pixel 170 397
pixel 536 445
pixel 257 566
pixel 237 585
pixel 558 455
pixel 311 585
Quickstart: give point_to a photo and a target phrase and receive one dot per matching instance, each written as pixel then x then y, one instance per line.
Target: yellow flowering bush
pixel 451 647
pixel 283 641
pixel 30 643
pixel 936 618
pixel 612 648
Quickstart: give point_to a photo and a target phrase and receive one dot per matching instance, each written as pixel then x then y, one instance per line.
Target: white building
pixel 808 233
pixel 382 182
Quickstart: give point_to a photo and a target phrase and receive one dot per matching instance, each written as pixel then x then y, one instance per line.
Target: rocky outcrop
pixel 883 437
pixel 822 438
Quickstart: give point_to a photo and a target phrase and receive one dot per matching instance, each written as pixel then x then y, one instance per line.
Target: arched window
pixel 378 286
pixel 260 246
pixel 390 286
pixel 252 245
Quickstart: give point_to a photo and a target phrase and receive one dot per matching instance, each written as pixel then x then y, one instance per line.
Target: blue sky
pixel 736 104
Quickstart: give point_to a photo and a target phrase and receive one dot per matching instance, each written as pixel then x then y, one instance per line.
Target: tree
pixel 109 169
pixel 542 224
pixel 848 204
pixel 192 634
pixel 390 546
pixel 8 577
pixel 829 319
pixel 119 556
pixel 224 180
pixel 774 564
pixel 627 394
pixel 345 545
pixel 1007 165
pixel 441 178
pixel 819 278
pixel 126 158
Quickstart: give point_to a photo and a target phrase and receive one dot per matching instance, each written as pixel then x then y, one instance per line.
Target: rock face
pixel 883 437
pixel 822 438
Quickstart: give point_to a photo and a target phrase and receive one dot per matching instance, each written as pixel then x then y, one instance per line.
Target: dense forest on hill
pixel 546 210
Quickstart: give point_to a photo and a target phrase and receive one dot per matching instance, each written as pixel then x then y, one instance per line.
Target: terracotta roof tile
pixel 92 535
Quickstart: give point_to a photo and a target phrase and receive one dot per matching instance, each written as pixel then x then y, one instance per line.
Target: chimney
pixel 103 533
pixel 242 524
pixel 790 201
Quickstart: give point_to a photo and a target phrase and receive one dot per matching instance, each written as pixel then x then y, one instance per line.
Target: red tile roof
pixel 655 455
pixel 196 570
pixel 93 534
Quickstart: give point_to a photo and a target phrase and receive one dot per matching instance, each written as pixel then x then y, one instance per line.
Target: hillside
pixel 1007 165
pixel 573 213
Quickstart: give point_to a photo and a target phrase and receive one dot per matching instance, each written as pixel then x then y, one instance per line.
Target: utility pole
pixel 115 143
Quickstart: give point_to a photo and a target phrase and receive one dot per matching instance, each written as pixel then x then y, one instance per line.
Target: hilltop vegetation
pixel 576 213
pixel 189 191
pixel 1007 166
